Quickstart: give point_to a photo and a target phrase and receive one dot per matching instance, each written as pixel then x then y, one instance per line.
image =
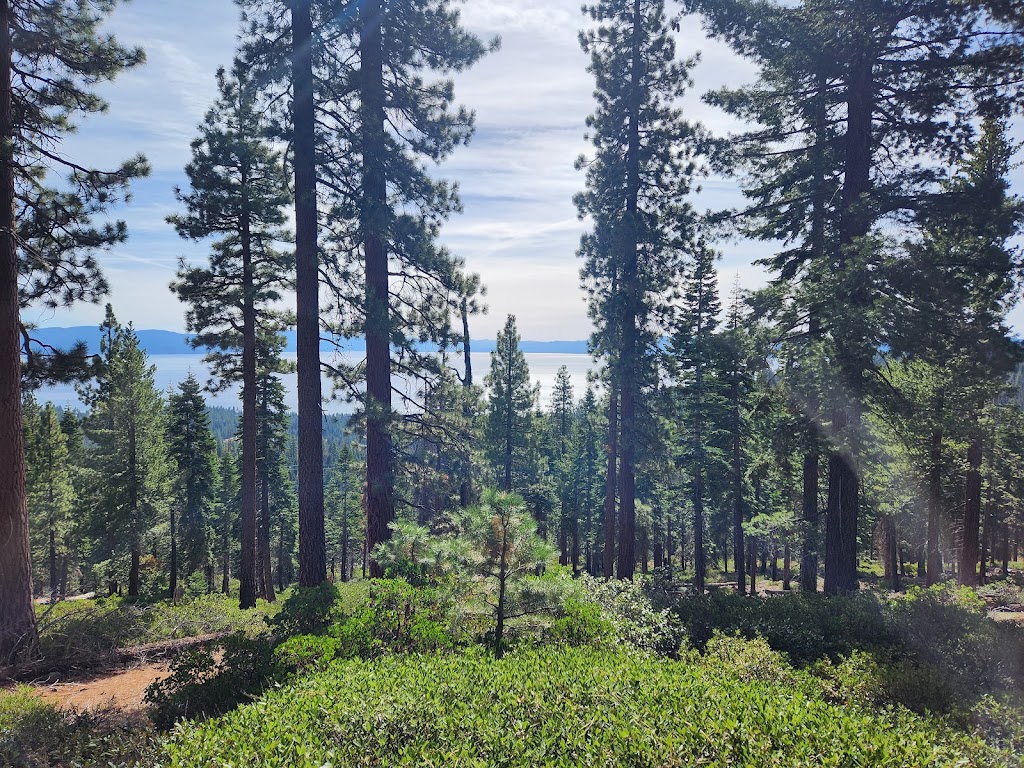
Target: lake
pixel 172 369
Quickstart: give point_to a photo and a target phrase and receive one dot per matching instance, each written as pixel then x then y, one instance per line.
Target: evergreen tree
pixel 238 193
pixel 51 55
pixel 193 449
pixel 561 423
pixel 51 495
pixel 636 183
pixel 509 407
pixel 126 427
pixel 851 101
pixel 697 355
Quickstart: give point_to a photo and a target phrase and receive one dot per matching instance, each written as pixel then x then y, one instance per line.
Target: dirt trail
pixel 124 689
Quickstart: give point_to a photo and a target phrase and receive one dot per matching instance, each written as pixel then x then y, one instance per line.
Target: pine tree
pixel 126 426
pixel 238 194
pixel 636 183
pixel 193 449
pixel 509 405
pixel 851 101
pixel 51 495
pixel 561 422
pixel 697 353
pixel 51 54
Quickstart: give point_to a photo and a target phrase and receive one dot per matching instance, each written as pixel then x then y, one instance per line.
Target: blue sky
pixel 519 229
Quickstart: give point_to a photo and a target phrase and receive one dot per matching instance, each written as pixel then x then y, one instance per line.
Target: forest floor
pixel 121 689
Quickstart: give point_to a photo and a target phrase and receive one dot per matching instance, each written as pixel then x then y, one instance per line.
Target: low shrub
pixel 582 624
pixel 307 611
pixel 399 618
pixel 35 734
pixel 632 618
pixel 214 680
pixel 566 706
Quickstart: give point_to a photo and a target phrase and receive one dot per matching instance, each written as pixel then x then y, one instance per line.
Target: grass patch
pixel 571 706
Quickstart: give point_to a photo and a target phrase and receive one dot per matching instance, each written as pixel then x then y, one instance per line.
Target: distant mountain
pixel 157 342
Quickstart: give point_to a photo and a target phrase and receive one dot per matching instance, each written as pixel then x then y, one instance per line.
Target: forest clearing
pixel 773 521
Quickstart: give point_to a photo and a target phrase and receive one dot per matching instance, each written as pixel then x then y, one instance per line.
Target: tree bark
pixel 809 549
pixel 972 516
pixel 380 504
pixel 174 556
pixel 312 544
pixel 17 615
pixel 933 564
pixel 608 555
pixel 247 576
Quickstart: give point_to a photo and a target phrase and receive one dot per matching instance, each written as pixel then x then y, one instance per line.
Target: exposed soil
pixel 124 689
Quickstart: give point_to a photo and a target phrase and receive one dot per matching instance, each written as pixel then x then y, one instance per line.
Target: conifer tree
pixel 126 426
pixel 51 56
pixel 509 407
pixel 51 495
pixel 636 183
pixel 193 449
pixel 238 194
pixel 697 355
pixel 851 100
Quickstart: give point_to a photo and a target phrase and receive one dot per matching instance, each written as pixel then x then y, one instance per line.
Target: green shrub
pixel 398 618
pixel 307 611
pixel 583 623
pixel 35 733
pixel 303 652
pixel 201 684
pixel 568 707
pixel 632 616
pixel 806 627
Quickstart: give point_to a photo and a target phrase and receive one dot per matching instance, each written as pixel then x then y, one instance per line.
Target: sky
pixel 519 230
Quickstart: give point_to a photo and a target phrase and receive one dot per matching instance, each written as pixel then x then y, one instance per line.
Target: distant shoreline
pixel 160 342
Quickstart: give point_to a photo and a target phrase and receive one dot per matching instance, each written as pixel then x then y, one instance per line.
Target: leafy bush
pixel 35 733
pixel 549 706
pixel 806 627
pixel 631 615
pixel 80 631
pixel 213 680
pixel 303 652
pixel 307 611
pixel 398 618
pixel 583 623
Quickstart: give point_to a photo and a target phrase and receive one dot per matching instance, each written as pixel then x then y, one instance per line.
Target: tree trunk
pixel 786 568
pixel 466 493
pixel 312 544
pixel 933 564
pixel 225 554
pixel 247 574
pixel 972 516
pixel 266 567
pixel 174 556
pixel 630 358
pixel 380 505
pixel 611 483
pixel 737 487
pixel 133 570
pixel 855 222
pixel 699 566
pixel 890 554
pixel 809 548
pixel 53 561
pixel 17 614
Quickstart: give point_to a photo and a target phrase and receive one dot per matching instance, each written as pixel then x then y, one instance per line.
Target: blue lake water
pixel 172 369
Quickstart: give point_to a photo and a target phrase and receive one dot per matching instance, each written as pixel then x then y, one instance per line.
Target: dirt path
pixel 124 689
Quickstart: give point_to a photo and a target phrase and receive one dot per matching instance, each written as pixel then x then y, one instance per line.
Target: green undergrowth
pixel 82 630
pixel 738 704
pixel 931 650
pixel 35 734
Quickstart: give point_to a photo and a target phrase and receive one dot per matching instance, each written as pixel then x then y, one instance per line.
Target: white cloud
pixel 519 230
